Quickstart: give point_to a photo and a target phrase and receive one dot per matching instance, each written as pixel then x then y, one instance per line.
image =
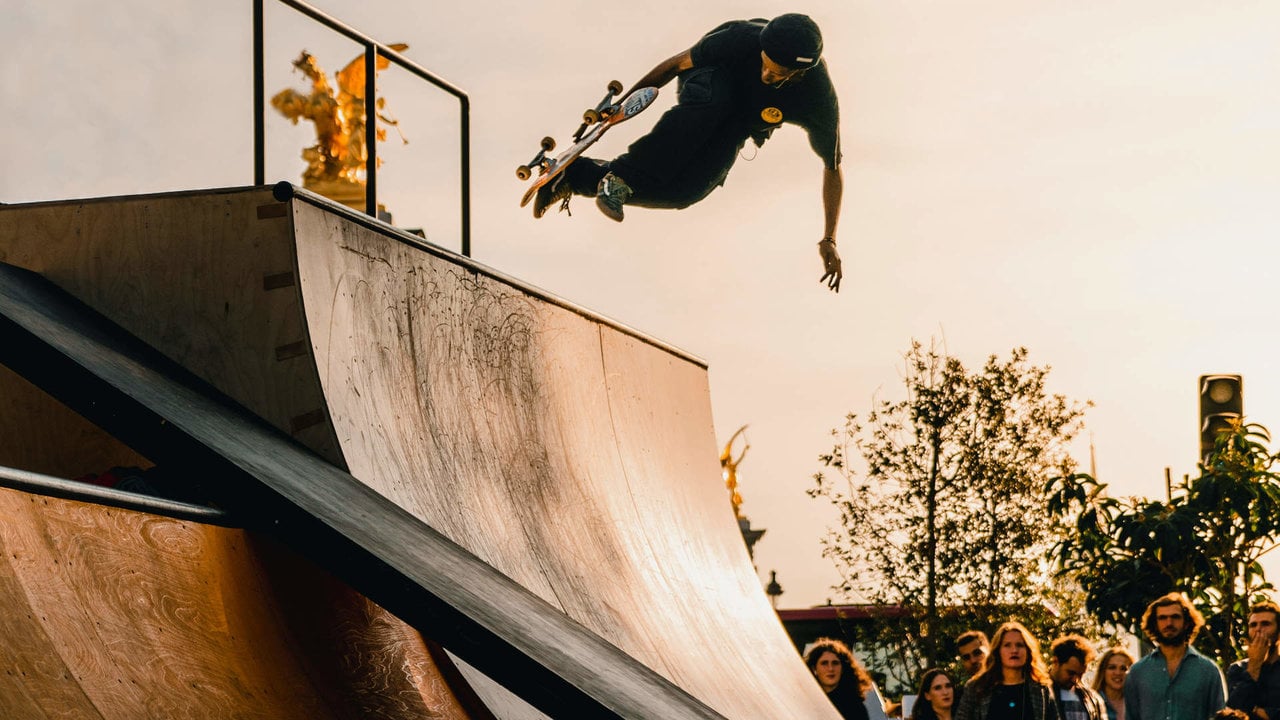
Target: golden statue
pixel 729 469
pixel 336 163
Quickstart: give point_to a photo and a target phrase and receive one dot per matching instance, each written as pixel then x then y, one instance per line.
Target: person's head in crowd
pixel 832 664
pixel 935 697
pixel 1071 655
pixel 1171 620
pixel 1112 669
pixel 1264 622
pixel 972 648
pixel 1015 652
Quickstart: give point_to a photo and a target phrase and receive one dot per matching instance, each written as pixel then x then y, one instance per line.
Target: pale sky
pixel 1095 181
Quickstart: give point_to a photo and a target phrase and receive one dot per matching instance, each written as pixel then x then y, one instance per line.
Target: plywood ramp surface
pixel 570 454
pixel 574 456
pixel 207 278
pixel 112 614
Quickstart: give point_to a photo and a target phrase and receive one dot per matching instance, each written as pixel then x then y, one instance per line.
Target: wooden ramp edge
pixel 572 454
pixel 322 512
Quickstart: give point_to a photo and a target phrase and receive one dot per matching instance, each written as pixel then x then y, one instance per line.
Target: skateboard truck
pixel 590 116
pixel 524 172
pixel 596 121
pixel 603 109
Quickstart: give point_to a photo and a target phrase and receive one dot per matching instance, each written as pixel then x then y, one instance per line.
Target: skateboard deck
pixel 606 117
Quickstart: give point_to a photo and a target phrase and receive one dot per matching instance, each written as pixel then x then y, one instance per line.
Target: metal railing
pixel 372 51
pixel 47 485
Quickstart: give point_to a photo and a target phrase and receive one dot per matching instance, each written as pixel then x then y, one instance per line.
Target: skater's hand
pixel 830 264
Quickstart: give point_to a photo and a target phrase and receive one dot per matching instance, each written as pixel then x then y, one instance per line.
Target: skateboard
pixel 595 122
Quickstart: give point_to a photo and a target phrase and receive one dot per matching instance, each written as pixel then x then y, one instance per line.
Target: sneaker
pixel 555 191
pixel 612 194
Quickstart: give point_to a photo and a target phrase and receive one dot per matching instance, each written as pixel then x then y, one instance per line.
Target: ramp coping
pixel 284 191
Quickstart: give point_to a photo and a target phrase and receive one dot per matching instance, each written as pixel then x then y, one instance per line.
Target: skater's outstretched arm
pixel 665 72
pixel 832 193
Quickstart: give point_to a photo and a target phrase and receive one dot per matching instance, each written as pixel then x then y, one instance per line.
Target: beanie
pixel 792 40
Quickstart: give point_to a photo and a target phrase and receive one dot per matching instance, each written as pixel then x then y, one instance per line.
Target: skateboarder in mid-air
pixel 744 79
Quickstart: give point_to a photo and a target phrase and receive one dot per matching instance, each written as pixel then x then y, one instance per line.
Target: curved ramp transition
pixel 573 455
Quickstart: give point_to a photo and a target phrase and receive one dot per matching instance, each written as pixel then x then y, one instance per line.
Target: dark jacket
pixel 1245 693
pixel 975 704
pixel 845 698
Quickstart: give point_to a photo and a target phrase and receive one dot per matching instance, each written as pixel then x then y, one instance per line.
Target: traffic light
pixel 1221 407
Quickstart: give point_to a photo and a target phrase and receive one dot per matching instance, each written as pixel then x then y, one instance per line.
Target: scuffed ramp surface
pixel 572 455
pixel 323 513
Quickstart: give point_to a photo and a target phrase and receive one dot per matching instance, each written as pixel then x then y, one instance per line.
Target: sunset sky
pixel 1094 181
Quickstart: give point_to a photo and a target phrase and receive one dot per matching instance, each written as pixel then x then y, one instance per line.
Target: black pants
pixel 687 154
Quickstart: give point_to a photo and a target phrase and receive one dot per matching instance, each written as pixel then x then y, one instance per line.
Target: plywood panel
pixel 326 514
pixel 570 455
pixel 207 278
pixel 669 461
pixel 117 614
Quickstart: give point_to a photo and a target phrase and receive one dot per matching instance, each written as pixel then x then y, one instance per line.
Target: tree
pixel 1205 540
pixel 941 495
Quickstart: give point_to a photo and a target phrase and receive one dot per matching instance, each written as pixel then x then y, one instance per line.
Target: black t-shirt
pixel 847 702
pixel 808 100
pixel 1009 702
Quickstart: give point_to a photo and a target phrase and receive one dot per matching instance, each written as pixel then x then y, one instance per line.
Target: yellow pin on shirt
pixel 771 115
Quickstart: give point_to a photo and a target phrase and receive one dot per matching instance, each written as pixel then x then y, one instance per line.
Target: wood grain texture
pixel 577 459
pixel 196 276
pixel 118 614
pixel 567 453
pixel 324 513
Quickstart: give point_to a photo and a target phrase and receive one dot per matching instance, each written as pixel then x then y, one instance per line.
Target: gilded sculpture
pixel 336 163
pixel 729 469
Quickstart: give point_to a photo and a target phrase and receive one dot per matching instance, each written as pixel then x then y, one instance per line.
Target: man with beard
pixel 1069 657
pixel 1174 682
pixel 1255 681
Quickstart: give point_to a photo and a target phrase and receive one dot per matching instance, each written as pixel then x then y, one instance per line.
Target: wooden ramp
pixel 569 463
pixel 112 613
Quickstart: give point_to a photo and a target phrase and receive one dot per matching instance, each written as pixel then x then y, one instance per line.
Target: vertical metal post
pixel 259 109
pixel 466 176
pixel 371 129
pixel 372 51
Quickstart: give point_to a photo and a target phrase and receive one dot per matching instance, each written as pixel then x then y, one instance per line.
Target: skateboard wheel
pixel 523 172
pixel 548 144
pixel 615 87
pixel 591 116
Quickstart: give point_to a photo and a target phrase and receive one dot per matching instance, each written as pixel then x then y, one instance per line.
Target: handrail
pixel 38 484
pixel 372 50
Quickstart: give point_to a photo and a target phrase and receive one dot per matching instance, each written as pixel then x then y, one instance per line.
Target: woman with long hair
pixel 1013 683
pixel 841 677
pixel 935 697
pixel 1109 682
